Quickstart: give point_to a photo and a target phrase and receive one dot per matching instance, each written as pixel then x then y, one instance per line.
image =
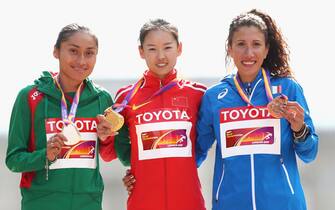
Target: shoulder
pixel 195 86
pixel 121 93
pixel 289 86
pixel 287 83
pixel 27 95
pixel 218 87
pixel 30 91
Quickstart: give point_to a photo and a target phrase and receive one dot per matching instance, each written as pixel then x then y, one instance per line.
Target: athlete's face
pixel 160 51
pixel 77 57
pixel 248 50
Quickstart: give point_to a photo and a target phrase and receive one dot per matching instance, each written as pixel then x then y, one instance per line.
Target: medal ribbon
pixel 69 118
pixel 267 84
pixel 134 90
pixel 119 107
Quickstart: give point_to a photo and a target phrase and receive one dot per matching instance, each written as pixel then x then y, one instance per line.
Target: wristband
pixel 300 136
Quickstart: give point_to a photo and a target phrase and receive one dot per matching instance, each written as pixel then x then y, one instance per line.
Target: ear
pixel 56 53
pixel 230 52
pixel 141 51
pixel 180 48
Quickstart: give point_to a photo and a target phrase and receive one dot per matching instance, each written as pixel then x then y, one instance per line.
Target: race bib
pixel 81 154
pixel 164 139
pixel 248 130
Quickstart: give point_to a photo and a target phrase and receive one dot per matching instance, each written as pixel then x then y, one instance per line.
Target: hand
pixel 129 181
pixel 277 105
pixel 280 107
pixel 54 146
pixel 294 114
pixel 104 128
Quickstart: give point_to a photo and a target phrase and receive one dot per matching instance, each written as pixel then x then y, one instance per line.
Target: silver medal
pixel 72 134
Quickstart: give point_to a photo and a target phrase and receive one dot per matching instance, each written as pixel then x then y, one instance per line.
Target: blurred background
pixel 29 30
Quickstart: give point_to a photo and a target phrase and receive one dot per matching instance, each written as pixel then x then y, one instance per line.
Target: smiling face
pixel 77 57
pixel 248 49
pixel 160 51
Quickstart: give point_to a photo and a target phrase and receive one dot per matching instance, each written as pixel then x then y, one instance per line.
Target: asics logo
pixel 223 93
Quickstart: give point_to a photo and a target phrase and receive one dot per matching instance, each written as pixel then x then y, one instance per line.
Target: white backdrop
pixel 29 30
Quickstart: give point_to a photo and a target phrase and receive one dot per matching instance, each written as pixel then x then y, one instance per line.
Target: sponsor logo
pixel 223 93
pixel 55 125
pixel 244 113
pixel 162 115
pixel 35 94
pixel 135 107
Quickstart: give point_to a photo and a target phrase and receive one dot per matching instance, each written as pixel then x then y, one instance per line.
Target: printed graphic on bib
pixel 249 136
pixel 249 130
pixel 83 149
pixel 164 139
pixel 81 154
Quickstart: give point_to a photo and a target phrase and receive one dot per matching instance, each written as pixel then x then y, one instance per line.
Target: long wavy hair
pixel 277 60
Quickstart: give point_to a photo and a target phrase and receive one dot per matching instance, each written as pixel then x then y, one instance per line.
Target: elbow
pixel 310 157
pixel 11 165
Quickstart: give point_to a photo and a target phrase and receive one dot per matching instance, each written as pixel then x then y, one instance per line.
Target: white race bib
pixel 81 154
pixel 249 130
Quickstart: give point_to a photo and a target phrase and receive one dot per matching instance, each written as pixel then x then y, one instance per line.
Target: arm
pixel 106 135
pixel 122 146
pixel 307 149
pixel 296 112
pixel 106 149
pixel 205 130
pixel 18 158
pixel 115 144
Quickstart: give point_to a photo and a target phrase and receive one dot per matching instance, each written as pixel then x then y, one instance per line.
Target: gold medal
pixel 114 118
pixel 72 134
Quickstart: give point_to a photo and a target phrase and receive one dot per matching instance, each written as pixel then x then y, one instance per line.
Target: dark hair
pixel 71 29
pixel 158 24
pixel 277 60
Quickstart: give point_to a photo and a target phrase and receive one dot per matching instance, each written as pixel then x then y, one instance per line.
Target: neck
pixel 67 84
pixel 161 76
pixel 247 78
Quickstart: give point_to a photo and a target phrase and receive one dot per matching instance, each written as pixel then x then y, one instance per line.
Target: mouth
pixel 79 69
pixel 248 63
pixel 161 65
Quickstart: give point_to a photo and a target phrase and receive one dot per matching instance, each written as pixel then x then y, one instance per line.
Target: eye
pixel 151 49
pixel 258 44
pixel 73 51
pixel 90 53
pixel 240 44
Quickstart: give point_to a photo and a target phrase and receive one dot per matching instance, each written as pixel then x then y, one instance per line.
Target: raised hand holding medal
pixel 70 130
pixel 114 118
pixel 109 124
pixel 112 121
pixel 277 105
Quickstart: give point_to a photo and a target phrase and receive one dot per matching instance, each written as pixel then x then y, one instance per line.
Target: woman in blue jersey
pixel 260 119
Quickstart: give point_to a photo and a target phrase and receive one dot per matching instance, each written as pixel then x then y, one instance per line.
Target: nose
pixel 161 54
pixel 249 52
pixel 81 59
